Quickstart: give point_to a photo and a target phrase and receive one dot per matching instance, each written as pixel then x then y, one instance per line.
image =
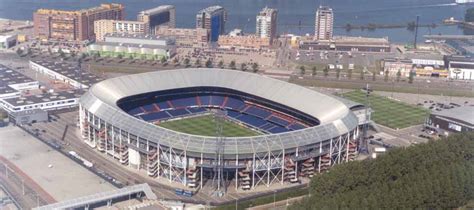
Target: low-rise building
pixel 7 41
pixel 251 42
pixel 65 72
pixel 46 101
pixel 103 27
pixel 460 67
pixel 429 68
pixel 134 46
pixel 453 120
pixel 186 36
pixel 394 66
pixel 12 83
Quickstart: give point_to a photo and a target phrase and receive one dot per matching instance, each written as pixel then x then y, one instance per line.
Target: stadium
pixel 198 126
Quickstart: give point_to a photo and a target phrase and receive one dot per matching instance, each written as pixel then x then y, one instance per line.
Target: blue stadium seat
pixel 149 108
pixel 278 129
pixel 234 103
pixel 196 109
pixel 278 121
pixel 259 112
pixel 252 120
pixel 184 102
pixel 135 111
pixel 163 105
pixel 178 112
pixel 296 126
pixel 233 114
pixel 151 117
pixel 217 100
pixel 205 100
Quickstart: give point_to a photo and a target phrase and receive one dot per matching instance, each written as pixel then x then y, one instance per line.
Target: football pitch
pixel 390 113
pixel 206 126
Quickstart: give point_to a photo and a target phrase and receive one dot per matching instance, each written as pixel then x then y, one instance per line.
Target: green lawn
pixel 389 112
pixel 206 126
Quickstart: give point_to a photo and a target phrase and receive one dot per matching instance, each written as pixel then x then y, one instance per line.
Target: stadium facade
pixel 303 131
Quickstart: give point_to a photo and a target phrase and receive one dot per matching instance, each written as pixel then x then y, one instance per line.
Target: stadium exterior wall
pixel 260 160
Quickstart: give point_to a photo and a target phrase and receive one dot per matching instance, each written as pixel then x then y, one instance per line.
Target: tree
pixel 120 56
pixel 197 63
pixel 399 75
pixel 163 59
pixel 221 64
pixel 243 67
pixel 400 179
pixel 61 53
pixel 374 76
pixel 255 67
pixel 314 71
pixel 326 71
pixel 19 51
pixel 302 70
pixel 349 73
pixel 186 62
pixel 232 65
pixel 385 76
pixel 208 63
pixel 411 77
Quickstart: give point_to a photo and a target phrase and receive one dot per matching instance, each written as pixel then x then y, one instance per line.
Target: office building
pixel 267 23
pixel 73 25
pixel 164 15
pixel 324 23
pixel 212 18
pixel 103 27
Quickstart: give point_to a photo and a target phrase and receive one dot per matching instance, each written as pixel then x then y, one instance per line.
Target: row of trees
pixel 314 72
pixel 435 175
pixel 232 65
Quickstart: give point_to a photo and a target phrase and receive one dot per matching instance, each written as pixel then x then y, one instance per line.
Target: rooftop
pixel 136 36
pixel 71 71
pixel 77 12
pixel 45 97
pixel 463 113
pixel 267 11
pixel 11 77
pixel 211 9
pixel 460 59
pixel 158 9
pixel 148 46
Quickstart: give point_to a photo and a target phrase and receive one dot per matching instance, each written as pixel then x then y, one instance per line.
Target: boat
pixel 464 1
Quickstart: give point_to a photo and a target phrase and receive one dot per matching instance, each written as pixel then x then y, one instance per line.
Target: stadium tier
pixel 286 132
pixel 192 102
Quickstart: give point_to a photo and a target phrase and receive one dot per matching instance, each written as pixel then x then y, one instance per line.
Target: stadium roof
pixel 463 113
pixel 335 117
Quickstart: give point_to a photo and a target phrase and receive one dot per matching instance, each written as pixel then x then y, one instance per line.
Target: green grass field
pixel 389 112
pixel 206 126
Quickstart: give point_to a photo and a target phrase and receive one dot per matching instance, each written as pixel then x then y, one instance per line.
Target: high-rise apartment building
pixel 324 23
pixel 164 15
pixel 103 27
pixel 73 25
pixel 213 19
pixel 267 23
